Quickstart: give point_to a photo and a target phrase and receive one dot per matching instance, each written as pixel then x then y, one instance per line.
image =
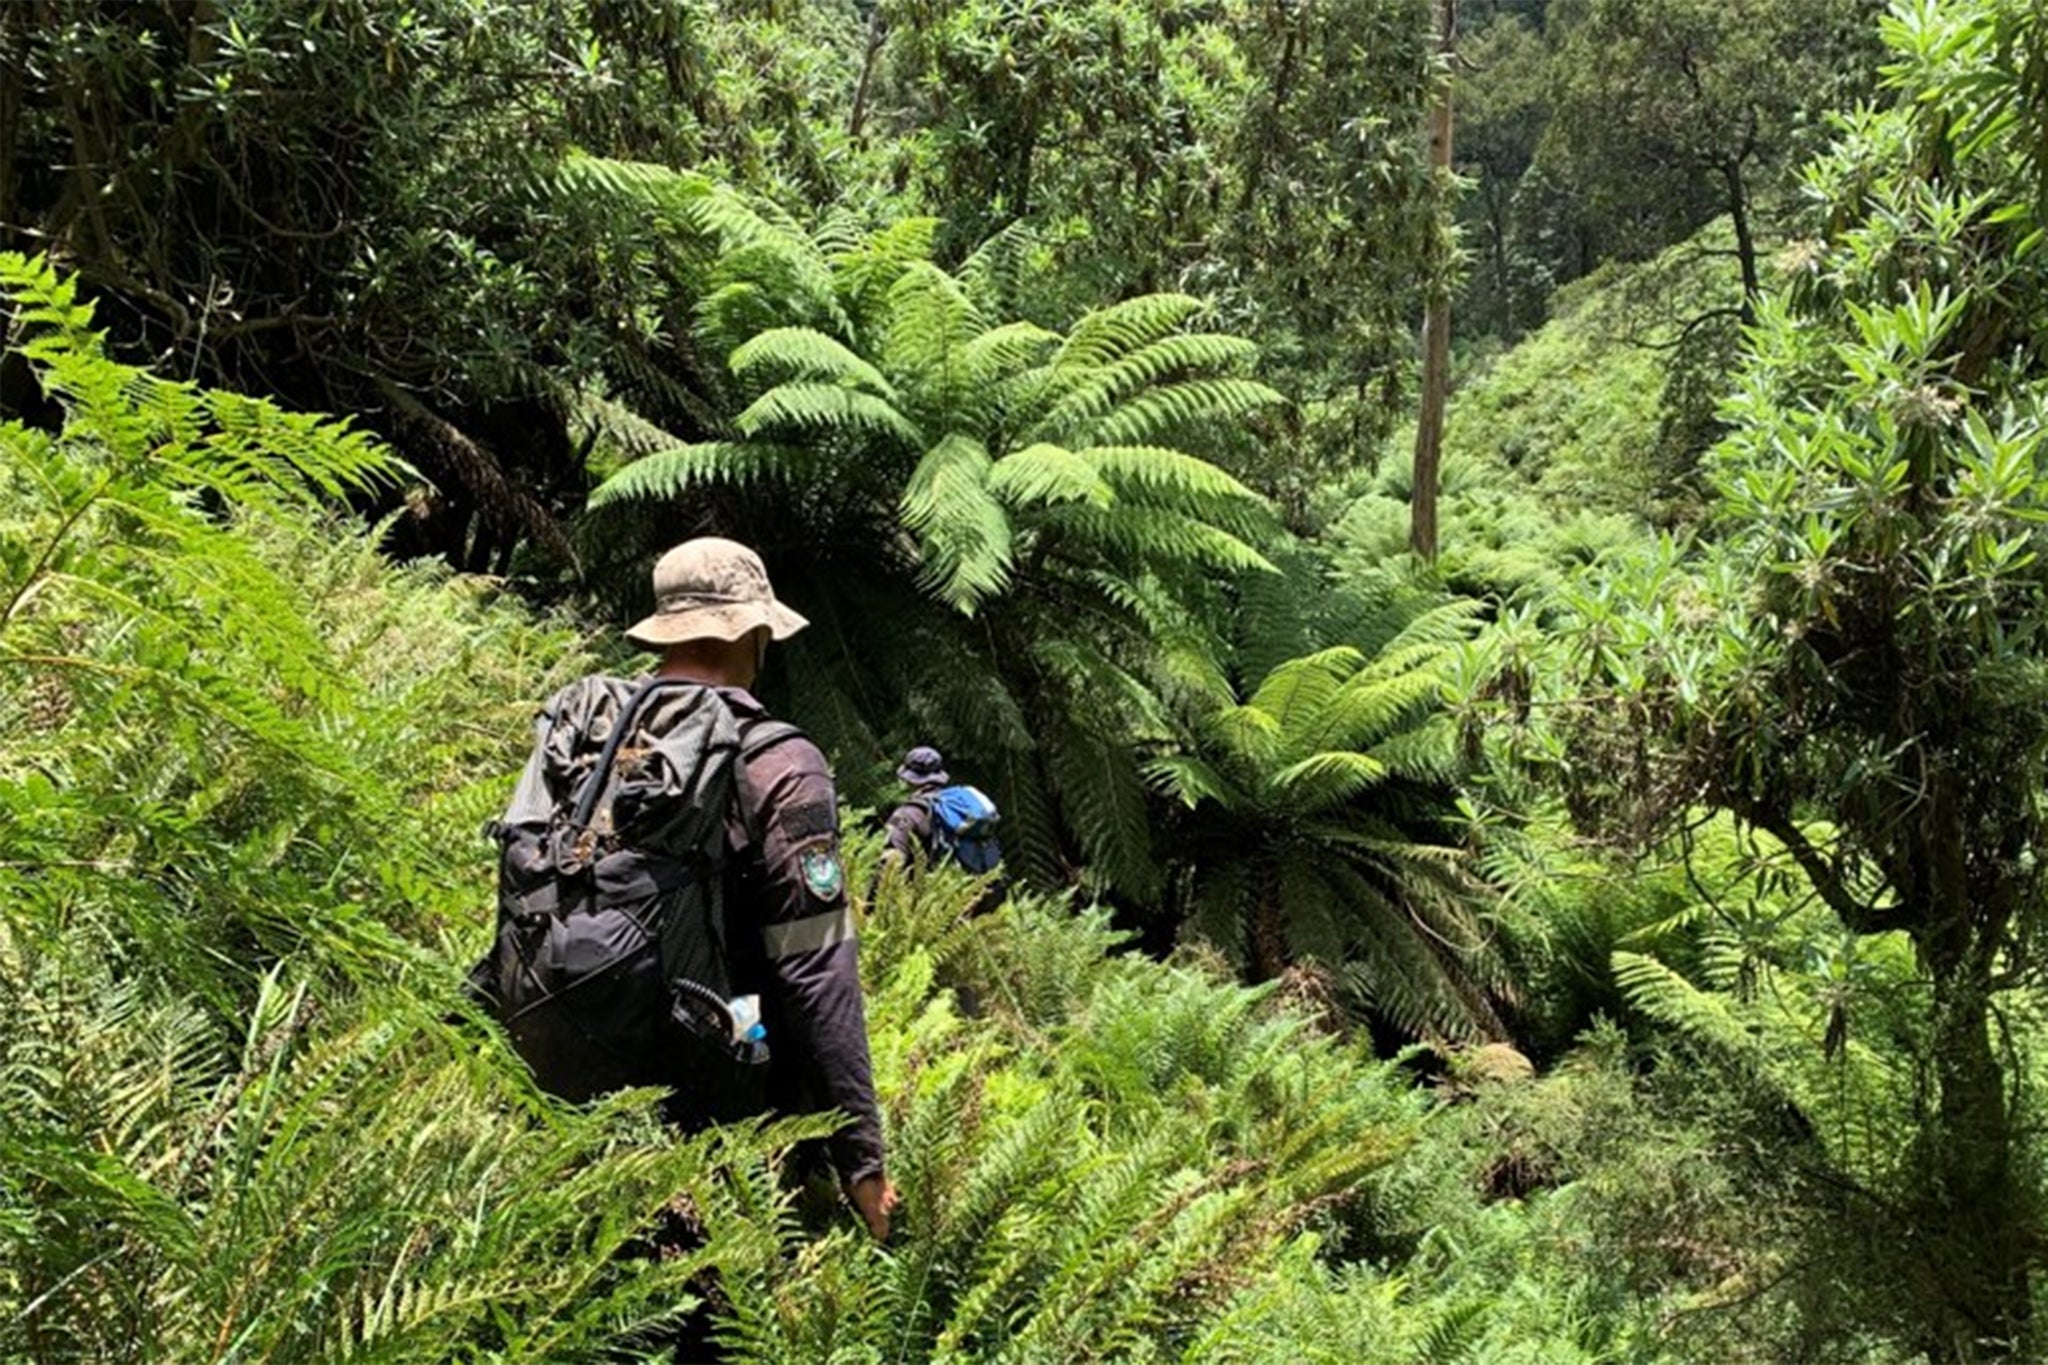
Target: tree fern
pixel 1315 820
pixel 879 440
pixel 803 353
pixel 1044 474
pixel 797 410
pixel 1121 328
pixel 1076 398
pixel 966 530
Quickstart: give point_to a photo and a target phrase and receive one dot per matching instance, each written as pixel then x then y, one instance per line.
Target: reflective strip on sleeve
pixel 808 935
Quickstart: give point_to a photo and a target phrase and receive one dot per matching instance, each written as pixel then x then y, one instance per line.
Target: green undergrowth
pixel 1573 441
pixel 245 1116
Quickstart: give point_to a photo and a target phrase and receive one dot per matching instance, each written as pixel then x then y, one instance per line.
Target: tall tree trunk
pixel 1436 319
pixel 1975 1222
pixel 857 120
pixel 1745 238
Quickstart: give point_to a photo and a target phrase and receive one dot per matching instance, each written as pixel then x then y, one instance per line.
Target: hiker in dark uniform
pixel 778 935
pixel 908 830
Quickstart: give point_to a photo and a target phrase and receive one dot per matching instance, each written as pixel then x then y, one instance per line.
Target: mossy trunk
pixel 1268 933
pixel 1975 1214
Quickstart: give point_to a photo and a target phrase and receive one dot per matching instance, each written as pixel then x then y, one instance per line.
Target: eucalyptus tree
pixel 1665 116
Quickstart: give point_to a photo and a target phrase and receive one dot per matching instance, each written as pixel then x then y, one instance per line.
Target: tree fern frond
pixel 963 529
pixel 1298 691
pixel 1000 352
pixel 905 242
pixel 1107 333
pixel 1448 623
pixel 930 323
pixel 1193 406
pixel 1431 752
pixel 1252 731
pixel 839 233
pixel 1102 797
pixel 1165 476
pixel 1188 779
pixel 1157 538
pixel 682 470
pixel 764 279
pixel 867 267
pixel 825 410
pixel 1415 982
pixel 1365 709
pixel 1327 779
pixel 1669 998
pixel 994 271
pixel 638 182
pixel 1073 395
pixel 625 431
pixel 807 355
pixel 1048 474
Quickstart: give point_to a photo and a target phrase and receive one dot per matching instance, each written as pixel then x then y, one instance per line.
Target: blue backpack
pixel 964 828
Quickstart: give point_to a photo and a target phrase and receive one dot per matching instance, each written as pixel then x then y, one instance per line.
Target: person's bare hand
pixel 873 1198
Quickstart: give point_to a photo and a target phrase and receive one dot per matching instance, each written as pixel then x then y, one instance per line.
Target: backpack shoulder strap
pixel 757 737
pixel 600 776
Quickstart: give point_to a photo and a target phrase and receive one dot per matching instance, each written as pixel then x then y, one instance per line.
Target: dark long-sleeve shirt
pixel 786 884
pixel 907 833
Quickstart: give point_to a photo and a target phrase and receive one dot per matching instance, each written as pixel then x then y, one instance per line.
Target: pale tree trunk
pixel 1436 320
pixel 856 122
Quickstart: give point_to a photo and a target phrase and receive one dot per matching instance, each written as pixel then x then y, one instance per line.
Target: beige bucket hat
pixel 712 589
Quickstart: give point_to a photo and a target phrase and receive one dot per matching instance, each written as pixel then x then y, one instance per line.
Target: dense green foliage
pixel 1852 666
pixel 247 1118
pixel 1613 942
pixel 239 1124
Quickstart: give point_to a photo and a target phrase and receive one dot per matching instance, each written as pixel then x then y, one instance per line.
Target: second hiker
pixel 939 822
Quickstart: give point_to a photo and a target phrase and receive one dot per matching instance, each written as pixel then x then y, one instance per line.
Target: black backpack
pixel 610 966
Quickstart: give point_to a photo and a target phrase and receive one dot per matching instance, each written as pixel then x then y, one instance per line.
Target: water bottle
pixel 746 1019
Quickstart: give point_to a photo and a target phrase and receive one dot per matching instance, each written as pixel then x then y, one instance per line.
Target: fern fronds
pixel 798 409
pixel 964 529
pixel 1042 474
pixel 681 470
pixel 1101 336
pixel 806 355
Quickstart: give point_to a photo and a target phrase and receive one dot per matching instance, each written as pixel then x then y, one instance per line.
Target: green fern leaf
pixel 1044 474
pixel 963 529
pixel 806 355
pixel 825 410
